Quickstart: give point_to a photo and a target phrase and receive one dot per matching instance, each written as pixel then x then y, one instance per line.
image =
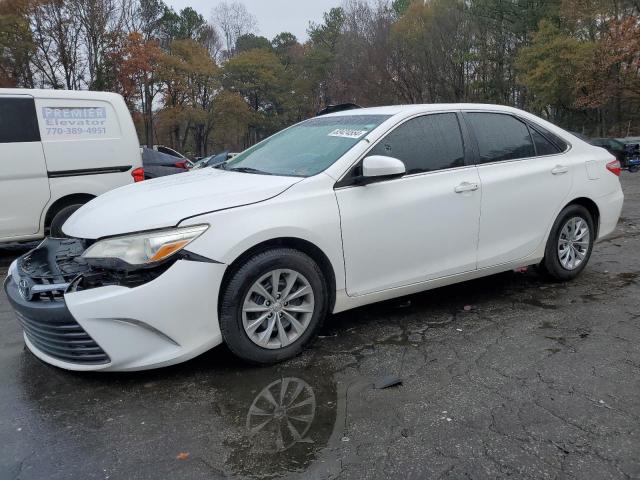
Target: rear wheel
pixel 55 229
pixel 570 243
pixel 273 306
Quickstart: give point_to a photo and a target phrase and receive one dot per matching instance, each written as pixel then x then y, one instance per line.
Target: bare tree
pixel 210 39
pixel 234 20
pixel 56 36
pixel 144 16
pixel 363 52
pixel 102 23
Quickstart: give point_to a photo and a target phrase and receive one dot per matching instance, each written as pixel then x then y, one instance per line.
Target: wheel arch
pixel 593 209
pixel 304 246
pixel 64 202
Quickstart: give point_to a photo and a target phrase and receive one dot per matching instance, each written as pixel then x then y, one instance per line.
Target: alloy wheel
pixel 573 244
pixel 278 308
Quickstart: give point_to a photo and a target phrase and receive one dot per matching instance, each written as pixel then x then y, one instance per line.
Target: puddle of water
pixel 241 420
pixel 282 428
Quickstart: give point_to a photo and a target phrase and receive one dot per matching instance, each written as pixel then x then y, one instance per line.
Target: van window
pixel 501 137
pixel 425 144
pixel 18 122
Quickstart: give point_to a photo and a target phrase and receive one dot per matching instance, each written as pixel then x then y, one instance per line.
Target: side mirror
pixel 380 167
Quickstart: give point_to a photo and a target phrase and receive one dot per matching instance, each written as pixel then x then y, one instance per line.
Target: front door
pixel 24 185
pixel 419 227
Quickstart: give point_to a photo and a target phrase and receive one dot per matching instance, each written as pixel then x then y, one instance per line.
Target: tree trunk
pixel 148 116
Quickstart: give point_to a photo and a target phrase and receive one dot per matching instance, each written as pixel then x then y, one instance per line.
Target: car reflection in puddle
pixel 287 426
pixel 281 415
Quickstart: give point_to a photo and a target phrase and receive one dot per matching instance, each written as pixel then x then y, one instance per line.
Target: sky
pixel 274 16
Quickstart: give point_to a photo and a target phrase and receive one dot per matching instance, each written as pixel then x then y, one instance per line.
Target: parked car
pixel 183 162
pixel 333 213
pixel 628 140
pixel 213 160
pixel 168 151
pixel 613 146
pixel 625 150
pixel 157 164
pixel 632 158
pixel 60 149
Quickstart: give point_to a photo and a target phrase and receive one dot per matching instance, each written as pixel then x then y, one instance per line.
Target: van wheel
pixel 273 305
pixel 570 244
pixel 55 229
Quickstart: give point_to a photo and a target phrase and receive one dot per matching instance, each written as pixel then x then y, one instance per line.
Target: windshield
pixel 306 149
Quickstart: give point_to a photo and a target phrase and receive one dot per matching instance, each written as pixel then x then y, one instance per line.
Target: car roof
pixel 423 108
pixel 62 94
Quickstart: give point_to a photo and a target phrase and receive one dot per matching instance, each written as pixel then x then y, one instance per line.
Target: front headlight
pixel 143 249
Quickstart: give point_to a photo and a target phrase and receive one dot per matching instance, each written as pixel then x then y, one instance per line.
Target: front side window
pixel 18 122
pixel 425 144
pixel 307 148
pixel 501 137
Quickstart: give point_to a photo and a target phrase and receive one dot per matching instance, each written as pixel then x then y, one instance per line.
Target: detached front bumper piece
pixel 80 317
pixel 35 288
pixel 49 327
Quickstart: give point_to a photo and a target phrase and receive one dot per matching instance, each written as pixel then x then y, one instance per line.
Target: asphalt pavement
pixel 507 376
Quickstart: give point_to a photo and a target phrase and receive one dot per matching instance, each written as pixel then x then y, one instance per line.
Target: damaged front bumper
pixel 82 318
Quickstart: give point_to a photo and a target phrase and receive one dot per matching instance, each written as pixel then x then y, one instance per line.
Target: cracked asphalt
pixel 507 376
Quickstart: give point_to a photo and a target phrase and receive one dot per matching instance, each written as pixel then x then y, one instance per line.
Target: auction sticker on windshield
pixel 347 133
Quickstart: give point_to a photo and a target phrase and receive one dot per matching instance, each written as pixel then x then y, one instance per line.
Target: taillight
pixel 181 164
pixel 614 167
pixel 138 175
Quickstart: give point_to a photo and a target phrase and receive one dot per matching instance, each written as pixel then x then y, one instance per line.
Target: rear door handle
pixel 559 170
pixel 466 187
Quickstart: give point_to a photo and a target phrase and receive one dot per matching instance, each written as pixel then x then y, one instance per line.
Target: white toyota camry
pixel 335 212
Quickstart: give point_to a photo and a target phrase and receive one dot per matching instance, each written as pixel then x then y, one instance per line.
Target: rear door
pixel 24 186
pixel 422 226
pixel 525 180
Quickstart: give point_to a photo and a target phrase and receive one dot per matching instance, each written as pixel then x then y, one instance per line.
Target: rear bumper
pixel 610 208
pixel 169 320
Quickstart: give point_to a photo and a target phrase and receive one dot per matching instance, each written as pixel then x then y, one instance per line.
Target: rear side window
pixel 501 137
pixel 543 146
pixel 559 144
pixel 18 122
pixel 425 144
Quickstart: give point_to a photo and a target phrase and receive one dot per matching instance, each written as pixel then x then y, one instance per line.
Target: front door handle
pixel 560 170
pixel 466 187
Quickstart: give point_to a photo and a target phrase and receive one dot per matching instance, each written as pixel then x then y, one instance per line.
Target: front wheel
pixel 273 305
pixel 570 243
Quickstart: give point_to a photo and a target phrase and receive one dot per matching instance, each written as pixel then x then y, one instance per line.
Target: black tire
pixel 238 287
pixel 55 229
pixel 634 169
pixel 551 264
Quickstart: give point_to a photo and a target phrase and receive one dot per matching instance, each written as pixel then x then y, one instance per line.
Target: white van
pixel 58 150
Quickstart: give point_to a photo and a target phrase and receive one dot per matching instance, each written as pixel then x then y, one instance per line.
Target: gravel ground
pixel 507 376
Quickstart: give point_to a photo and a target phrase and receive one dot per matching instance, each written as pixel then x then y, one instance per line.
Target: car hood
pixel 165 201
